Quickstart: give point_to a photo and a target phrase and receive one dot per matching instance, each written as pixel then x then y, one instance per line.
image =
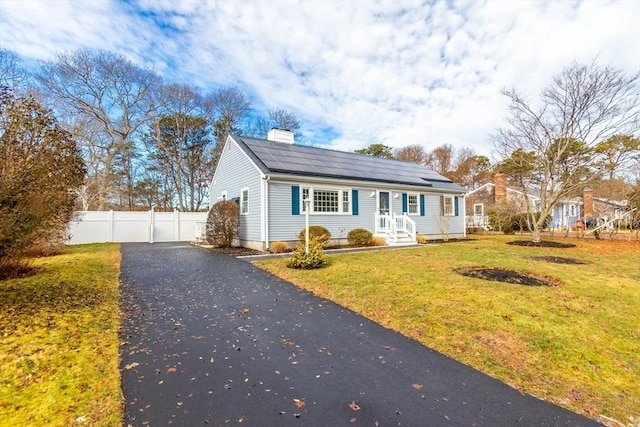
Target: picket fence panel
pixel 125 226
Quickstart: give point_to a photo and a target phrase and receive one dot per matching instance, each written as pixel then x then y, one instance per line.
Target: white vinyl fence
pixel 118 226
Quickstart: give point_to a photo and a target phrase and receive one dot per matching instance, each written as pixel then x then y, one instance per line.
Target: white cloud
pixel 393 72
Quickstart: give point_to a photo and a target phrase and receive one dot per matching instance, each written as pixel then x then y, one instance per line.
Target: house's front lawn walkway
pixel 576 344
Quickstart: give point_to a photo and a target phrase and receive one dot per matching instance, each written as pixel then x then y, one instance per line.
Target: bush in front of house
pixel 279 247
pixel 359 237
pixel 223 222
pixel 377 241
pixel 316 232
pixel 315 258
pixel 422 239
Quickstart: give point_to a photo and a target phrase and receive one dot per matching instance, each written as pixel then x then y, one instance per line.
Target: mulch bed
pixel 236 252
pixel 541 244
pixel 508 276
pixel 559 260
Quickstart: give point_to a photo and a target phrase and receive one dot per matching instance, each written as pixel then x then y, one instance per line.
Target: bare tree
pixel 228 108
pixel 441 158
pixel 12 74
pixel 411 153
pixel 554 147
pixel 109 96
pixel 276 118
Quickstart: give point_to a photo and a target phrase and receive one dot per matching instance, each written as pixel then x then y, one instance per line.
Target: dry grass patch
pixel 576 345
pixel 59 348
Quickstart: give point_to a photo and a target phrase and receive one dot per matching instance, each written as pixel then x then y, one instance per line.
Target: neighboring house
pixel 481 201
pixel 598 211
pixel 271 179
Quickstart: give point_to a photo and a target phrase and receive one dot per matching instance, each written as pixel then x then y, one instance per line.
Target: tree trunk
pixel 535 236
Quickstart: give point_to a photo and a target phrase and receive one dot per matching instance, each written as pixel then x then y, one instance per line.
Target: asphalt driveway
pixel 207 339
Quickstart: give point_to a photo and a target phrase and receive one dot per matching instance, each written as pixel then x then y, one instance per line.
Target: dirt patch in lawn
pixel 541 244
pixel 508 276
pixel 559 260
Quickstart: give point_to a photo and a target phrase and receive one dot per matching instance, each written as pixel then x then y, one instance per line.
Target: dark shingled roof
pixel 283 158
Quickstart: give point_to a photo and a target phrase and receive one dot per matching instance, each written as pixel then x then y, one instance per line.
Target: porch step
pixel 403 240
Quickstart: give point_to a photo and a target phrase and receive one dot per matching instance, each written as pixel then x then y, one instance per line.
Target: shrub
pixel 378 241
pixel 314 259
pixel 359 237
pixel 316 232
pixel 422 239
pixel 40 167
pixel 223 222
pixel 279 247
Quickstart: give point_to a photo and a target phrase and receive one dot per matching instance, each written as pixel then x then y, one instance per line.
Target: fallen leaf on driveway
pixel 417 386
pixel 171 369
pixel 131 365
pixel 299 403
pixel 353 405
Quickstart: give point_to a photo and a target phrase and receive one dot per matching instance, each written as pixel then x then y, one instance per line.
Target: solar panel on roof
pixel 289 158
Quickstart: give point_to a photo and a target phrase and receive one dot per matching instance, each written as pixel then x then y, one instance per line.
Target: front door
pixel 383 203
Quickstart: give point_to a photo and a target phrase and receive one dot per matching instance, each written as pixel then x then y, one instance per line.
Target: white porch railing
pixel 478 221
pixel 394 224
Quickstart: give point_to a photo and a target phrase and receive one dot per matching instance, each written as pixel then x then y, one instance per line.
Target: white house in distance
pixel 270 179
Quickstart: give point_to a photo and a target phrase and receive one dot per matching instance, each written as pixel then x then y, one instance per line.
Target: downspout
pixel 464 216
pixel 266 212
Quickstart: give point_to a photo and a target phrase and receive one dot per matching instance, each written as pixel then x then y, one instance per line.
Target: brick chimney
pixel 500 181
pixel 587 200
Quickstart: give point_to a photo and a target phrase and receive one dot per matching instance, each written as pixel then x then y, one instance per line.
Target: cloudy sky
pixel 354 72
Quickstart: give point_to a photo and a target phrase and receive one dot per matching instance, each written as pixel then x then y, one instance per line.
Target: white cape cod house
pixel 270 179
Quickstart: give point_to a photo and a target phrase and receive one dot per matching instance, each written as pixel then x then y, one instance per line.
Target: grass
pixel 59 341
pixel 576 345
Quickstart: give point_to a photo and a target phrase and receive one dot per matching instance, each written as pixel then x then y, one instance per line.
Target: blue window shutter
pixel 422 205
pixel 455 204
pixel 405 203
pixel 354 200
pixel 295 200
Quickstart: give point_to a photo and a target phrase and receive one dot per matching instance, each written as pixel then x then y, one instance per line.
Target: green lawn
pixel 59 341
pixel 577 344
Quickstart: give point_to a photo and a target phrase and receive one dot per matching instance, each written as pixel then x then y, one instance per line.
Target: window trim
pixel 345 199
pixel 417 204
pixel 242 202
pixel 444 205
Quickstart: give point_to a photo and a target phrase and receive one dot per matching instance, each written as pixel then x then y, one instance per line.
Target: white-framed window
pixel 572 210
pixel 478 209
pixel 412 204
pixel 305 196
pixel 244 201
pixel 448 208
pixel 327 200
pixel 223 196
